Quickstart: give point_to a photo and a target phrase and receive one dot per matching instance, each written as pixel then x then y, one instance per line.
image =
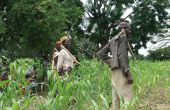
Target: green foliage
pixel 146 76
pixel 101 15
pixel 4 83
pixel 2 25
pixel 20 67
pixel 78 90
pixel 160 54
pixel 148 17
pixel 84 48
pixel 87 87
pixel 33 26
pixel 4 62
pixel 11 97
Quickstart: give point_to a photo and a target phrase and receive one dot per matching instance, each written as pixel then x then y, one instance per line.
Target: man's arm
pixel 103 54
pixel 123 58
pixel 123 53
pixel 60 62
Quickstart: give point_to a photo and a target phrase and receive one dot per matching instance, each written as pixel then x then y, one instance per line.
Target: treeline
pixel 160 54
pixel 29 28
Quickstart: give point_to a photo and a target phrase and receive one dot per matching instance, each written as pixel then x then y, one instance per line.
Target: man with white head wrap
pixel 65 61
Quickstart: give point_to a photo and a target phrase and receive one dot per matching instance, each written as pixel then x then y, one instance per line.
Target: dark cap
pixel 123 25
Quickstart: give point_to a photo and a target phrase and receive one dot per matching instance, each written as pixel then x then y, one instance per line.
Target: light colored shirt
pixel 64 60
pixel 54 62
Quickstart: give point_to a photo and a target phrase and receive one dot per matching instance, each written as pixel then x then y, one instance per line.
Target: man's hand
pixel 129 77
pixel 60 71
pixel 108 61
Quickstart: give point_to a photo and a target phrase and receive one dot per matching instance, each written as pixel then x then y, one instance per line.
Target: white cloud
pixel 143 51
pixel 84 1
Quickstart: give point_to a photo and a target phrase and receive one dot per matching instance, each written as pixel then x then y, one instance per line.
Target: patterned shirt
pixel 65 61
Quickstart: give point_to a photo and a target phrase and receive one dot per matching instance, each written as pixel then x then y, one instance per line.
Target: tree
pixel 34 25
pixel 148 17
pixel 162 39
pixel 160 54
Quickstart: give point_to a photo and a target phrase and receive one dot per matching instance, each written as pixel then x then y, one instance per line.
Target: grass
pixel 148 76
pixel 89 88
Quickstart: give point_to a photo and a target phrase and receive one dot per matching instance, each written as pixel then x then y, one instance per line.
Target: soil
pixel 157 98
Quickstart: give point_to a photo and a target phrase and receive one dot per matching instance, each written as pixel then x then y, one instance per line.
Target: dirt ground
pixel 157 98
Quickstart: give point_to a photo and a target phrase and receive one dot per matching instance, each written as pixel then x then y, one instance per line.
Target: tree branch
pixel 88 13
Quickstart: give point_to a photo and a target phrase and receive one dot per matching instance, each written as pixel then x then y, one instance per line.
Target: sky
pixel 150 46
pixel 84 1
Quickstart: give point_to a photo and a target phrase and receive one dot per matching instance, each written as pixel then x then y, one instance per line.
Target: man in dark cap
pixel 119 64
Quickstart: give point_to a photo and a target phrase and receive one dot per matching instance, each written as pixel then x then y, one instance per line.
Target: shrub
pixel 20 67
pixel 4 62
pixel 84 49
pixel 160 54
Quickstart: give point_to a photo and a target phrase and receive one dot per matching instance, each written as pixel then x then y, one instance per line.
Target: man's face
pixel 67 43
pixel 128 31
pixel 58 46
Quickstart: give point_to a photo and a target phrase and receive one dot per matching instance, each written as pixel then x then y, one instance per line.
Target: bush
pixel 4 62
pixel 20 67
pixel 84 49
pixel 160 54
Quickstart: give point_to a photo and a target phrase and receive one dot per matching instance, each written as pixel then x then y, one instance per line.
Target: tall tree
pixel 148 17
pixel 34 25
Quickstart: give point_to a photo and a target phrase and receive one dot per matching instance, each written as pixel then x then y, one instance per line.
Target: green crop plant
pixel 86 88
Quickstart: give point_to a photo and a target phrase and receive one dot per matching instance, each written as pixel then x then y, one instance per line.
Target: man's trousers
pixel 120 89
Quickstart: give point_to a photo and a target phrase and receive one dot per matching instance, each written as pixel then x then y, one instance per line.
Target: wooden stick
pixel 130 49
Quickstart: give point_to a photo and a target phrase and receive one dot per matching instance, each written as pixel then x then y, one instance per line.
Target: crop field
pixel 88 87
